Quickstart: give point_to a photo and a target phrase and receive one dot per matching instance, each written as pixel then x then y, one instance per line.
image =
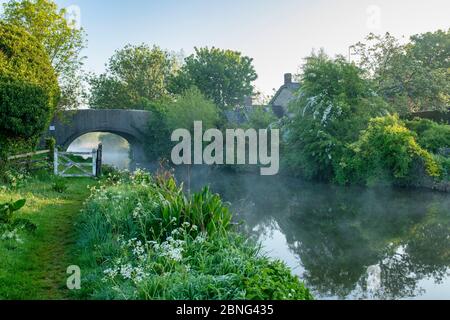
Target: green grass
pixel 143 238
pixel 172 246
pixel 36 269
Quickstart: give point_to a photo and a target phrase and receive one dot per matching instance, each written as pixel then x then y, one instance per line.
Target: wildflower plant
pixel 15 179
pixel 143 238
pixel 10 226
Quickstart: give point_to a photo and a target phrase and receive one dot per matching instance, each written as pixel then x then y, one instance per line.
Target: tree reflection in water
pixel 338 233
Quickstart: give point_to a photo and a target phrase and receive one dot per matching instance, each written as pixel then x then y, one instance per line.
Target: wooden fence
pixel 32 161
pixel 65 164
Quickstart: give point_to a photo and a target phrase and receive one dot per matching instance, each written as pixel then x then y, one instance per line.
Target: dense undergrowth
pixel 341 130
pixel 142 238
pixel 387 151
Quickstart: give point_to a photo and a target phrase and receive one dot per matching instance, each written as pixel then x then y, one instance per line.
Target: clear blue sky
pixel 278 34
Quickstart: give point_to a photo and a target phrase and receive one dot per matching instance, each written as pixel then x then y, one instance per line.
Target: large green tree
pixel 29 89
pixel 134 76
pixel 414 76
pixel 334 105
pixel 224 76
pixel 60 38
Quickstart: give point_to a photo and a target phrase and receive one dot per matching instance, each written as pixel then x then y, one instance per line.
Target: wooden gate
pixel 78 164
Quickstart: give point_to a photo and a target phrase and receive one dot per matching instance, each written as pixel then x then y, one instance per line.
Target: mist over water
pixel 344 242
pixel 116 150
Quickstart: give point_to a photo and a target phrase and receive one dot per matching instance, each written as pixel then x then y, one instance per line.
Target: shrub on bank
pixel 180 113
pixel 444 164
pixel 386 152
pixel 142 238
pixel 430 135
pixel 334 104
pixel 323 139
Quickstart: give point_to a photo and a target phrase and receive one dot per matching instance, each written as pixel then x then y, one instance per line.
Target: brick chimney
pixel 288 78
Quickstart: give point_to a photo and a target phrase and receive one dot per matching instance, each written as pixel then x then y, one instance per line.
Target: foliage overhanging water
pixel 334 237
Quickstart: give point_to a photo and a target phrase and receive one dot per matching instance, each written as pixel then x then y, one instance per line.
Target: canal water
pixel 346 242
pixel 343 242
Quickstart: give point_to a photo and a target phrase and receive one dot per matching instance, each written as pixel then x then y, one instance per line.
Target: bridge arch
pixel 128 124
pixel 66 144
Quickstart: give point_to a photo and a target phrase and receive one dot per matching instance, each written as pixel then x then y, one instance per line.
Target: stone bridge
pixel 129 124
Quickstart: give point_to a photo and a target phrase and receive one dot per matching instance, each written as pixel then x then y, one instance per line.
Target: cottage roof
pixel 284 95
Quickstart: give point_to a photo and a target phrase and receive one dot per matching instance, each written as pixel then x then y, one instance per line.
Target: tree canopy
pixel 60 38
pixel 224 76
pixel 414 76
pixel 134 74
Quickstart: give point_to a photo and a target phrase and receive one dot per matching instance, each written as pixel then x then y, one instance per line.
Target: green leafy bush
pixel 323 140
pixel 430 135
pixel 18 121
pixel 261 119
pixel 388 151
pixel 274 281
pixel 10 225
pixel 142 238
pixel 181 113
pixel 14 179
pixel 191 106
pixel 108 170
pixel 29 89
pixel 444 164
pixel 334 104
pixel 7 210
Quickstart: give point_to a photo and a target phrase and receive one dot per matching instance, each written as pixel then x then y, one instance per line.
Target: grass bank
pixel 135 237
pixel 35 266
pixel 141 237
